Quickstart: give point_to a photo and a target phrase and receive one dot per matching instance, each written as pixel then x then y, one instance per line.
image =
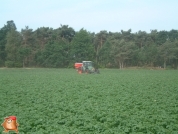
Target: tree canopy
pixel 63 46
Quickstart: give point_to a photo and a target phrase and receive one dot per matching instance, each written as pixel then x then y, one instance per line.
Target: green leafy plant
pixel 116 101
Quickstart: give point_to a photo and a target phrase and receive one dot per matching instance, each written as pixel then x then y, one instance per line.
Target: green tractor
pixel 86 67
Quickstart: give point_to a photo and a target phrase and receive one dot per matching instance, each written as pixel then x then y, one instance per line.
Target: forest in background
pixel 62 47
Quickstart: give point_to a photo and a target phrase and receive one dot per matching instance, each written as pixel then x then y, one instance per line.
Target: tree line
pixel 62 47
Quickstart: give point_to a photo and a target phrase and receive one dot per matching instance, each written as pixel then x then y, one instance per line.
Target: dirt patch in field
pixel 14 68
pixel 3 68
pixel 149 68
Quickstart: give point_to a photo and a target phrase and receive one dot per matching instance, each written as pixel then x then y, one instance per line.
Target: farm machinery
pixel 86 67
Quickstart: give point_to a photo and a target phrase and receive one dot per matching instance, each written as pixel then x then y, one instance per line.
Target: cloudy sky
pixel 92 15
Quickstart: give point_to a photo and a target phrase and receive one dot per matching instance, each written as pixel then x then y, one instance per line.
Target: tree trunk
pixel 164 64
pixel 122 64
pixel 97 51
pixel 23 62
pixel 101 43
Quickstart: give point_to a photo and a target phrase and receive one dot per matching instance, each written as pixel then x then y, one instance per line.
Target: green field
pixel 54 101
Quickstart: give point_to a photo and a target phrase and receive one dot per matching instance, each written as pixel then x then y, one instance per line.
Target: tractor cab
pixel 88 65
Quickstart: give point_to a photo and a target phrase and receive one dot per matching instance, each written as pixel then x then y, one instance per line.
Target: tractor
pixel 86 67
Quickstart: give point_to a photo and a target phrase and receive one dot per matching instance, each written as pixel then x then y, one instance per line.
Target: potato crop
pixel 61 101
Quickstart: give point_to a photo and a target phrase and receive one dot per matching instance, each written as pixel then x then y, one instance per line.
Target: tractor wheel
pixel 97 71
pixel 87 71
pixel 80 70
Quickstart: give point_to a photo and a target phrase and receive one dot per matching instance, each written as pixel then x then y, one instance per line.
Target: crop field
pixel 60 101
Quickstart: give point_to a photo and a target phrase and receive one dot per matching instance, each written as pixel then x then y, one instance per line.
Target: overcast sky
pixel 92 15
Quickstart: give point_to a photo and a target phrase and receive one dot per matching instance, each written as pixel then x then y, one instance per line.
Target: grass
pixel 115 101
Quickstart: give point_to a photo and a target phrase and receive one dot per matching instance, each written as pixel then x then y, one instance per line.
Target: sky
pixel 92 15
